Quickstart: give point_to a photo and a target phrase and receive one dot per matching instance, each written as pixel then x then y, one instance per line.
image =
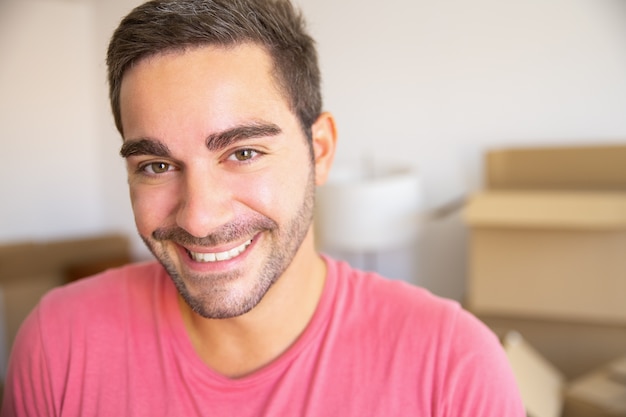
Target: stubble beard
pixel 217 299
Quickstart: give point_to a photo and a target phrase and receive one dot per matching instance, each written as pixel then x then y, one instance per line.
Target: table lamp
pixel 365 211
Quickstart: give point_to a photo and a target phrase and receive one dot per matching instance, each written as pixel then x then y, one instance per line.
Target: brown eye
pixel 244 154
pixel 157 167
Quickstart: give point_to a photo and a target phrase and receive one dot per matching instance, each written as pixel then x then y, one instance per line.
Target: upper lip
pixel 217 249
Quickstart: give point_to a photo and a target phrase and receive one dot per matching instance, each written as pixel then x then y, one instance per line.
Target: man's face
pixel 220 173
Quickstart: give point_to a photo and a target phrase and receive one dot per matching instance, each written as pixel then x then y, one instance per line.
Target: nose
pixel 205 205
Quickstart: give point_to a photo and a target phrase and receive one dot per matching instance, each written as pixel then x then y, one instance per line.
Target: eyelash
pixel 143 168
pixel 252 155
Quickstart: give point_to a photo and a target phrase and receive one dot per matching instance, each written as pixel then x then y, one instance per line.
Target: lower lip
pixel 216 266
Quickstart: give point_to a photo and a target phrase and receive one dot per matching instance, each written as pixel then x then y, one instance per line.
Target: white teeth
pixel 220 256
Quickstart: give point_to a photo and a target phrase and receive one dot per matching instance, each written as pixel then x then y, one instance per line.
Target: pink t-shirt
pixel 115 345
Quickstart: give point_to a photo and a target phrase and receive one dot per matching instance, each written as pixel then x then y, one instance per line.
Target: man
pixel 218 103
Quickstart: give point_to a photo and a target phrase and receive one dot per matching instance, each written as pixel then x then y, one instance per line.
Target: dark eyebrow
pixel 144 147
pixel 214 142
pixel 221 140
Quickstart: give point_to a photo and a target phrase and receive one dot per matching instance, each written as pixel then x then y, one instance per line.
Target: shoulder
pixel 410 310
pixel 98 304
pixel 75 326
pixel 401 313
pixel 457 359
pixel 373 294
pixel 101 290
pixel 82 319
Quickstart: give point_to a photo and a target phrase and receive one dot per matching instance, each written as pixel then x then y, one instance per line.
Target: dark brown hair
pixel 169 25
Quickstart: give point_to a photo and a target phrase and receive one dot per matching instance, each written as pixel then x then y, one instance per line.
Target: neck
pixel 238 346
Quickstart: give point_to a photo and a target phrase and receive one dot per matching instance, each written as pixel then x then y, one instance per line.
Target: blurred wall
pixel 432 84
pixel 61 173
pixel 435 83
pixel 50 169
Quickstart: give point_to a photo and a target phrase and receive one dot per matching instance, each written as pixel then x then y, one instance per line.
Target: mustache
pixel 226 233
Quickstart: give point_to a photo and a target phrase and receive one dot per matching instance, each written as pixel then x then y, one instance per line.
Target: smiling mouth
pixel 219 256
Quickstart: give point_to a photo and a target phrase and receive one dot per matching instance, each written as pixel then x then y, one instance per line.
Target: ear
pixel 324 136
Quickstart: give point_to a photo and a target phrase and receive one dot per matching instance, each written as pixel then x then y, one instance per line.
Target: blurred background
pixel 430 85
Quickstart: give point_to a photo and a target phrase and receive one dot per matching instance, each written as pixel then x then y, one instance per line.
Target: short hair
pixel 161 26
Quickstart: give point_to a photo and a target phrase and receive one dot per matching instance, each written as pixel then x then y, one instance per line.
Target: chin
pixel 226 295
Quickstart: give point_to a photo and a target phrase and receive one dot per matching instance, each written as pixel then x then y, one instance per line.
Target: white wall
pixel 61 173
pixel 49 169
pixel 438 82
pixel 117 213
pixel 430 83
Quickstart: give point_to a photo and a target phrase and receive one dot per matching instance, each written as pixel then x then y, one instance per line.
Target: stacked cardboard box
pixel 601 393
pixel 547 257
pixel 546 392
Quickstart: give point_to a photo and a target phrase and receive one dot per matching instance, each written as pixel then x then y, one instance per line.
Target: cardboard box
pixel 575 348
pixel 597 168
pixel 554 255
pixel 541 384
pixel 547 257
pixel 546 392
pixel 601 393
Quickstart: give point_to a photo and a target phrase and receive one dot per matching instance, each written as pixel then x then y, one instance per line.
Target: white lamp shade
pixel 359 213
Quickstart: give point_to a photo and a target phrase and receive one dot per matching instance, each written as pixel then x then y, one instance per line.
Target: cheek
pixel 152 207
pixel 256 192
pixel 275 195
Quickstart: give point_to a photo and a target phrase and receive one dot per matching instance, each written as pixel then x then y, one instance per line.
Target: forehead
pixel 214 80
